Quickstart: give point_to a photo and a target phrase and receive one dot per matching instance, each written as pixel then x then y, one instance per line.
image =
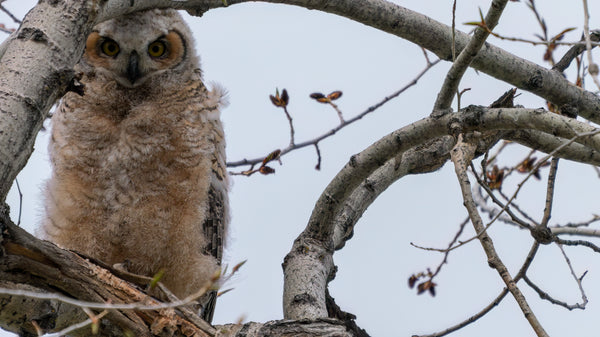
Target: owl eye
pixel 110 48
pixel 157 49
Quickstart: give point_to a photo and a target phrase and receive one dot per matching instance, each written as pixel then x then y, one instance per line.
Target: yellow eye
pixel 157 49
pixel 110 48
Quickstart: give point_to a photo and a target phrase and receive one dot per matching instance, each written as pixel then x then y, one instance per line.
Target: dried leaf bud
pixel 266 170
pixel 272 156
pixel 335 95
pixel 285 99
pixel 526 165
pixel 496 177
pixel 426 286
pixel 317 95
pixel 275 100
pixel 412 280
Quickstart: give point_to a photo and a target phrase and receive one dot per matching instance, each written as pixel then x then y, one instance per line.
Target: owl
pixel 139 175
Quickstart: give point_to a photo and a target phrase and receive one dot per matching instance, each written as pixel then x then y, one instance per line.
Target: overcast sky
pixel 254 48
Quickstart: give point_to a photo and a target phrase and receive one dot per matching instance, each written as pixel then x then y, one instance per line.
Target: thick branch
pixel 31 264
pixel 38 266
pixel 42 53
pixel 354 181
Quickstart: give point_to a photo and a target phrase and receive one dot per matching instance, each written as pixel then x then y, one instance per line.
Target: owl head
pixel 141 47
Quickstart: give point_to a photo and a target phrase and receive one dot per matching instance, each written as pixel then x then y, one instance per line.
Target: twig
pixel 112 306
pixel 503 207
pixel 318 166
pixel 592 67
pixel 461 155
pixel 495 155
pixel 518 209
pixel 577 279
pixel 574 51
pixel 545 296
pixel 289 118
pixel 466 56
pixel 6 30
pixel 539 43
pixel 121 306
pixel 491 210
pixel 471 319
pixel 14 18
pixel 66 331
pixel 544 159
pixel 550 192
pixel 495 302
pixel 582 224
pixel 339 112
pixel 578 243
pixel 425 55
pixel 20 201
pixel 454 239
pixel 456 236
pixel 342 125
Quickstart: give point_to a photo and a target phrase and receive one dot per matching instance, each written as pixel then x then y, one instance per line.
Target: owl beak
pixel 133 69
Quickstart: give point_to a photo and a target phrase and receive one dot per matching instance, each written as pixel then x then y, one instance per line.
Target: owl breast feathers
pixel 139 172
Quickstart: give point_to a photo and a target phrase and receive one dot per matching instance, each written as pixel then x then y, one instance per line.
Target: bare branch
pixel 466 56
pixel 575 231
pixel 549 143
pixel 74 327
pixel 461 157
pixel 592 66
pixel 494 302
pixel 574 51
pixel 503 207
pixel 45 82
pixel 550 192
pixel 11 15
pixel 576 278
pixel 343 123
pixel 578 243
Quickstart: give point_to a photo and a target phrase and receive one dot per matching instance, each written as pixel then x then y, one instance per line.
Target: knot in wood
pixel 543 235
pixel 569 110
pixel 536 81
pixel 304 298
pixel 33 34
pixel 454 127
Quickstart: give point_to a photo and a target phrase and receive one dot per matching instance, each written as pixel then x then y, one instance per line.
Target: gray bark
pixel 36 70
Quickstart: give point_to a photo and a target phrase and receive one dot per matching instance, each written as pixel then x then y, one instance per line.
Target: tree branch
pixel 29 92
pixel 312 251
pixel 466 56
pixel 43 267
pixel 293 146
pixel 462 155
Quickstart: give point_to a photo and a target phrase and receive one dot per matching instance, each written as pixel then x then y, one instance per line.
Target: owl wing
pixel 213 228
pixel 215 224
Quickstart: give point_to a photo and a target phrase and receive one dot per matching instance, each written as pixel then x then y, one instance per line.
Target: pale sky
pixel 253 48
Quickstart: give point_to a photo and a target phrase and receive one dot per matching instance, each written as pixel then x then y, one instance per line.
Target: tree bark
pixel 36 70
pixel 38 58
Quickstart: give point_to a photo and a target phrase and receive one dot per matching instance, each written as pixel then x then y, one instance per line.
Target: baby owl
pixel 139 173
